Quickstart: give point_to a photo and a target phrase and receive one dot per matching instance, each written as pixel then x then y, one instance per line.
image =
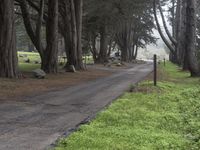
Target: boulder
pixel 37 62
pixel 90 64
pixel 118 64
pixel 20 55
pixel 72 68
pixel 39 74
pixel 134 61
pixel 109 65
pixel 27 60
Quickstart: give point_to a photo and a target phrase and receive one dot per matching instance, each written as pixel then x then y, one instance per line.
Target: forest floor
pixel 15 88
pixel 163 117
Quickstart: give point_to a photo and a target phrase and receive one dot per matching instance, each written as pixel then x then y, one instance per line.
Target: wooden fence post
pixel 155 70
pixel 164 62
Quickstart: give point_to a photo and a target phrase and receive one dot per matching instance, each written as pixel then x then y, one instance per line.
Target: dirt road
pixel 36 122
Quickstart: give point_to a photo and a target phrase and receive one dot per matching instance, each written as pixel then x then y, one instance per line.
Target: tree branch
pixel 173 40
pixel 171 48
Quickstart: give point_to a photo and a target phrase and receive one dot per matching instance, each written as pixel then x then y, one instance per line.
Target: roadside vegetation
pixel 163 117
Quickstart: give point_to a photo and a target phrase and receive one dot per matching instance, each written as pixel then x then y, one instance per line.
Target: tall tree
pixel 51 57
pixel 8 54
pixel 168 44
pixel 71 25
pixel 184 49
pixel 190 39
pixel 33 25
pixel 79 23
pixel 114 24
pixel 102 57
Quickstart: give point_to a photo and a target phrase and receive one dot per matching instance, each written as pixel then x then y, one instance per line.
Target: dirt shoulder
pixel 11 89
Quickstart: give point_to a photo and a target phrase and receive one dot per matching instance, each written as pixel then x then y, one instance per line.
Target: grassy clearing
pixel 164 117
pixel 28 67
pixel 25 67
pixel 35 57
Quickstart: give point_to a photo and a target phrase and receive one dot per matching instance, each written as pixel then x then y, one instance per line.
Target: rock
pixel 36 62
pixel 90 64
pixel 116 61
pixel 107 64
pixel 134 61
pixel 119 65
pixel 39 74
pixel 110 61
pixel 27 60
pixel 20 55
pixel 72 68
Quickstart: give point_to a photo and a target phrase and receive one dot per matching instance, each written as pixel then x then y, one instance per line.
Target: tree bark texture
pixel 72 17
pixel 193 64
pixel 102 58
pixel 50 64
pixel 49 54
pixel 8 53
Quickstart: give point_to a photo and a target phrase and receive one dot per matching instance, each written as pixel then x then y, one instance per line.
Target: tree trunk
pixel 124 54
pixel 179 32
pixel 110 47
pixel 102 58
pixel 8 54
pixel 79 21
pixel 185 62
pixel 182 51
pixel 125 41
pixel 172 39
pixel 136 52
pixel 30 47
pixel 173 17
pixel 38 30
pixel 190 39
pixel 34 34
pixel 72 18
pixel 66 31
pixel 93 48
pixel 50 62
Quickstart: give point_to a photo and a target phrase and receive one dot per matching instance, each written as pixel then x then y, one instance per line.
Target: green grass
pixel 166 117
pixel 34 56
pixel 28 67
pixel 25 67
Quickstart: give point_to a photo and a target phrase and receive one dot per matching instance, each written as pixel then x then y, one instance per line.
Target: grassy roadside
pixel 165 117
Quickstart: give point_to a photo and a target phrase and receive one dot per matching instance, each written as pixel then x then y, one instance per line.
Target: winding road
pixel 36 122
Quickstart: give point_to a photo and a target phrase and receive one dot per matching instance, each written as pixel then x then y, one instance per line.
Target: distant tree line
pixel 124 25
